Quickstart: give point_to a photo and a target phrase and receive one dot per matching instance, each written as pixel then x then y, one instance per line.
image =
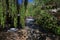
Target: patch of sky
pixel 20 1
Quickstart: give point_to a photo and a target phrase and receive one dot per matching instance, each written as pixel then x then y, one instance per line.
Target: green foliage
pixel 22 16
pixel 2 19
pixel 45 19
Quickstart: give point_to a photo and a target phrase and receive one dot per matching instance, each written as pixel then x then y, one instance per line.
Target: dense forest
pixel 45 12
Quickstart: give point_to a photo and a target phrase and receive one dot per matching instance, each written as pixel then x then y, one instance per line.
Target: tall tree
pixel 7 12
pixel 4 11
pixel 1 14
pixel 11 13
pixel 18 15
pixel 25 4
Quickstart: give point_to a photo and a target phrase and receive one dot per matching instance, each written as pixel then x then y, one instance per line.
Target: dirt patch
pixel 19 35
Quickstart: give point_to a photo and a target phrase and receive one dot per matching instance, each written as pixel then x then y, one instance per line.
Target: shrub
pixel 47 21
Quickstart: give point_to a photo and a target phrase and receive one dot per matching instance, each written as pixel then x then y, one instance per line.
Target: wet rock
pixel 12 30
pixel 29 21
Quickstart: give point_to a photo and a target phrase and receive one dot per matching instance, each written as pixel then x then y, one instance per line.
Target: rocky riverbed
pixel 27 34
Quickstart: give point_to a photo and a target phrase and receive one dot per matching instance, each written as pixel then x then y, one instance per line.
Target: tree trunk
pixel 18 16
pixel 25 4
pixel 7 12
